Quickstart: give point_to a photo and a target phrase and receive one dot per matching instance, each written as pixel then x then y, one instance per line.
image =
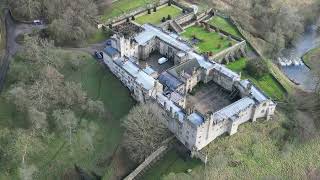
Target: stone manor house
pixel 203 98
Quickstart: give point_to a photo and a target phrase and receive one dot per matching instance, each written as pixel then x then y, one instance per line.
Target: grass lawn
pixel 267 83
pixel 96 139
pixel 171 162
pixel 99 36
pixel 123 6
pixel 209 41
pixel 312 59
pixel 156 17
pixel 225 25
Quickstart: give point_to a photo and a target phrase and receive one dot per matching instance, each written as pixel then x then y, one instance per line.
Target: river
pixel 292 64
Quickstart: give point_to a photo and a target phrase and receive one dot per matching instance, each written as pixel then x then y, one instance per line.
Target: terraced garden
pixel 123 6
pixel 156 17
pixel 267 83
pixel 206 41
pixel 225 25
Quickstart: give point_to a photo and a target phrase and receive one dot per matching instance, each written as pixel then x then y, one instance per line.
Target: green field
pixel 97 139
pixel 171 162
pixel 312 59
pixel 267 83
pixel 209 41
pixel 156 17
pixel 99 36
pixel 123 6
pixel 225 25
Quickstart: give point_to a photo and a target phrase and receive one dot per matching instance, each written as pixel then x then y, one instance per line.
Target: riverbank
pixel 312 59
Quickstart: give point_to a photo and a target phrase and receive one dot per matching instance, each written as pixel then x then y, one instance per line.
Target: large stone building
pixel 204 99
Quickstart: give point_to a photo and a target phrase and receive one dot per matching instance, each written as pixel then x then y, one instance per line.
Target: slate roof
pixel 233 109
pixel 255 92
pixel 142 78
pixel 196 119
pixel 111 51
pixel 169 81
pixel 151 32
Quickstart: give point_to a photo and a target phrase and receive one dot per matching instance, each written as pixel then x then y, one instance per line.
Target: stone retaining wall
pixel 151 159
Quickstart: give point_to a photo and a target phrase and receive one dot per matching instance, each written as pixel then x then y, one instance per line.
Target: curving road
pixel 13 30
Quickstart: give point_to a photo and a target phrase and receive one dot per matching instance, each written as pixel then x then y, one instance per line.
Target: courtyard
pixel 156 17
pixel 152 62
pixel 206 41
pixel 208 98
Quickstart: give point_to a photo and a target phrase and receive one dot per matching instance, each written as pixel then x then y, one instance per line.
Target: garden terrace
pixel 207 98
pixel 267 83
pixel 224 25
pixel 206 41
pixel 156 17
pixel 123 6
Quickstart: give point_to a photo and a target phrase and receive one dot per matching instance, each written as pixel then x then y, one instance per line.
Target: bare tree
pixel 66 122
pixel 145 131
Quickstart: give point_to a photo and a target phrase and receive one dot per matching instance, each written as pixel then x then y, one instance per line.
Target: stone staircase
pixel 176 27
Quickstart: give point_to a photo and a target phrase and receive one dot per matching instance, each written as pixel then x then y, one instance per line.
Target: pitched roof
pixel 151 32
pixel 233 109
pixel 110 51
pixel 169 80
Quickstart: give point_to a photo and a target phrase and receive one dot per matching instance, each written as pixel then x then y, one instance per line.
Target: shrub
pixel 128 19
pixel 257 68
pixel 169 17
pixel 230 44
pixel 133 18
pixel 154 9
pixel 110 26
pixel 221 37
pixel 184 11
pixel 163 19
pixel 169 3
pixel 149 11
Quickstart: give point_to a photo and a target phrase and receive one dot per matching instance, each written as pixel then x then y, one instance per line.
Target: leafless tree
pixel 145 131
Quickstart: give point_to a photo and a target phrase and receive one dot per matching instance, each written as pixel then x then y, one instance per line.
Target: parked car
pixel 37 22
pixel 162 60
pixel 98 55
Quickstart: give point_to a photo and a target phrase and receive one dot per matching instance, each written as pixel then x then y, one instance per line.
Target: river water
pixel 298 72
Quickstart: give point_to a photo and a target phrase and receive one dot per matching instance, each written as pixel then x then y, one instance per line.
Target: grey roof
pixel 232 110
pixel 255 92
pixel 141 77
pixel 151 32
pixel 149 70
pixel 196 119
pixel 111 51
pixel 175 108
pixel 169 80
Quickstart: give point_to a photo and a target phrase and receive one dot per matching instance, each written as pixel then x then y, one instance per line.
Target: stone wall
pixel 230 54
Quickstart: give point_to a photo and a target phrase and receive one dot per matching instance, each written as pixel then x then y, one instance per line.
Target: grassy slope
pixel 311 59
pixel 255 152
pixel 156 17
pixel 224 25
pixel 122 6
pixel 209 40
pixel 172 162
pixel 267 83
pixel 99 36
pixel 99 84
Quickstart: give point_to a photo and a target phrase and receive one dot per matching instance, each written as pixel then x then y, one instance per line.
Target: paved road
pixel 13 29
